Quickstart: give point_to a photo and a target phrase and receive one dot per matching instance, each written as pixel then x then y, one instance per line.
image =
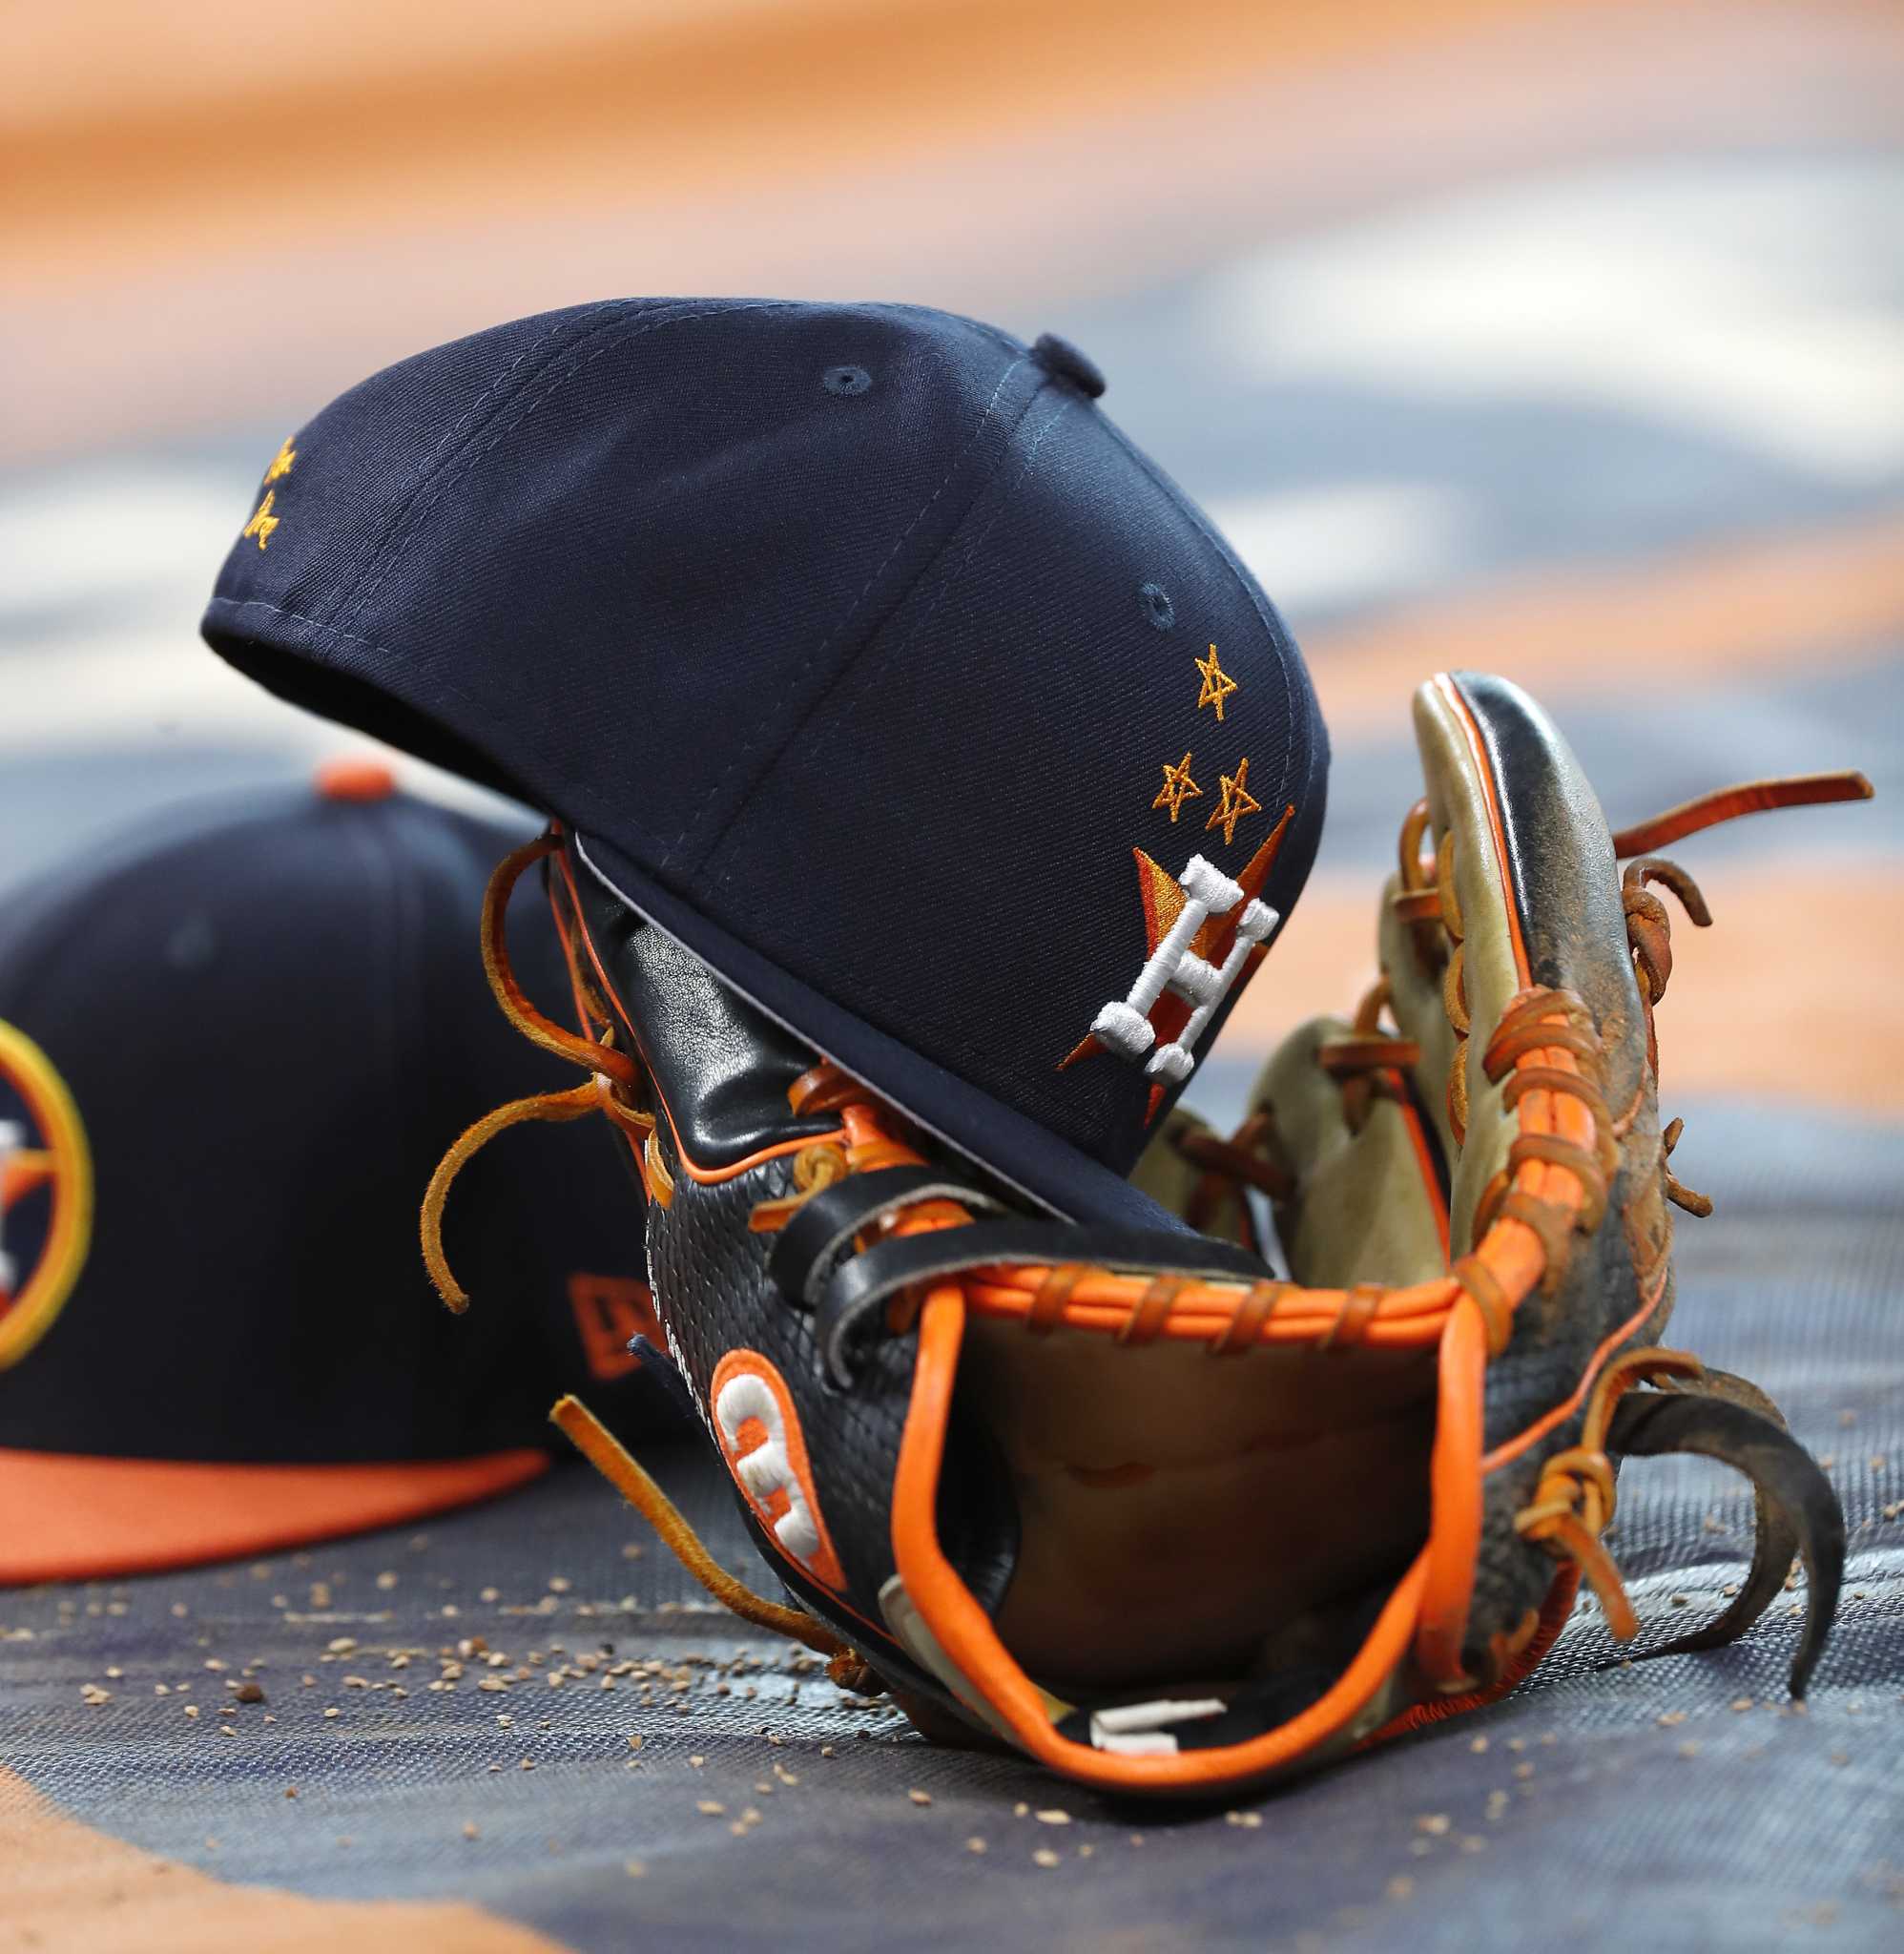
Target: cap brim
pixel 70 1517
pixel 1034 1160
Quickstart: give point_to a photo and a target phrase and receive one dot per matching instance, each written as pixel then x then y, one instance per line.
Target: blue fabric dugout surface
pixel 1673 1805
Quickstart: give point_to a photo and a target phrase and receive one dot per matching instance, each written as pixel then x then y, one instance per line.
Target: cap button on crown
pixel 1062 357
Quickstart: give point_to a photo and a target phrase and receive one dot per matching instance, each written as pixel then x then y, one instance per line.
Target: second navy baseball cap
pixel 232 1050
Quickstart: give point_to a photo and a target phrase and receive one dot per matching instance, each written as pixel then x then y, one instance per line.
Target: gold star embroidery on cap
pixel 1217 683
pixel 264 522
pixel 280 463
pixel 1237 801
pixel 1178 787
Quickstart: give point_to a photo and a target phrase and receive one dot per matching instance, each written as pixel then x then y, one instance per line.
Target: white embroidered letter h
pixel 1125 1026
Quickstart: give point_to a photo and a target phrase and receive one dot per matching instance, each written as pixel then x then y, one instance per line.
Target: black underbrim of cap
pixel 1006 1143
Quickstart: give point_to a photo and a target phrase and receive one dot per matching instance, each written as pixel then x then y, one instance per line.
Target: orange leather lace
pixel 1574 1501
pixel 612 1460
pixel 609 1070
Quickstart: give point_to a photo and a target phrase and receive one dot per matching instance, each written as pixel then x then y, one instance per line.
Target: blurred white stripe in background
pixel 1343 545
pixel 1753 298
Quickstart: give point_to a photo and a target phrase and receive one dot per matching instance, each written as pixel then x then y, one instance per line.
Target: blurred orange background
pixel 1563 340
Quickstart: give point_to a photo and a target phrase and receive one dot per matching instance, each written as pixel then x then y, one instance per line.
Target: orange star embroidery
pixel 280 463
pixel 1217 683
pixel 1178 787
pixel 1237 801
pixel 264 522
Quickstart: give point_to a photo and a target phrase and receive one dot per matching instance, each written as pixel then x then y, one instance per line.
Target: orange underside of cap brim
pixel 68 1517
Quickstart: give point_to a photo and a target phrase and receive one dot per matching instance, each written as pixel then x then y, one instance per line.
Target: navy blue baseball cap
pixel 232 1050
pixel 861 653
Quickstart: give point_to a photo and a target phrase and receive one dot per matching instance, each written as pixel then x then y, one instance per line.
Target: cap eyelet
pixel 1155 602
pixel 846 380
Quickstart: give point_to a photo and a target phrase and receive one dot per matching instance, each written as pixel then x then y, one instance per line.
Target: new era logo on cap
pixel 860 650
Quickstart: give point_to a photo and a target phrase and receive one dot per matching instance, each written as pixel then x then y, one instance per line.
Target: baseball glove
pixel 1140 1504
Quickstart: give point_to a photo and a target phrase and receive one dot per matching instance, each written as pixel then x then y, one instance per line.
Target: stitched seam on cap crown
pixel 495 386
pixel 792 685
pixel 575 793
pixel 412 524
pixel 1249 586
pixel 404 523
pixel 1002 340
pixel 951 577
pixel 976 1054
pixel 577 324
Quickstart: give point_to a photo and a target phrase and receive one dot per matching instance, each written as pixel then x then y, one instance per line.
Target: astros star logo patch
pixel 1202 932
pixel 46 1195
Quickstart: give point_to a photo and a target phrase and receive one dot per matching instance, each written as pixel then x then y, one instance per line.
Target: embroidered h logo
pixel 1124 1027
